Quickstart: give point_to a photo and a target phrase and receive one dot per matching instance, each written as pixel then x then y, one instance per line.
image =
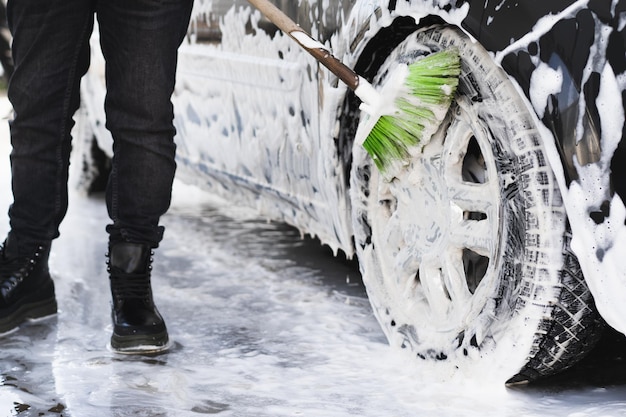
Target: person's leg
pixel 50 52
pixel 140 40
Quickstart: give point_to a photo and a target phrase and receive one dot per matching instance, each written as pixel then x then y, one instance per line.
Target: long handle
pixel 312 46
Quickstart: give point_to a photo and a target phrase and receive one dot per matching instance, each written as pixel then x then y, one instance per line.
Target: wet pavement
pixel 263 322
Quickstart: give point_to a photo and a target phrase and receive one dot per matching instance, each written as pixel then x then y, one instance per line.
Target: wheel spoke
pixel 454 277
pixel 431 278
pixel 472 197
pixel 406 272
pixel 474 235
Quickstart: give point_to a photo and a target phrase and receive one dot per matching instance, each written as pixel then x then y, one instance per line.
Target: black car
pixel 497 248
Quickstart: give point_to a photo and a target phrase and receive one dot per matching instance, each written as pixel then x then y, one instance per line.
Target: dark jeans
pixel 139 39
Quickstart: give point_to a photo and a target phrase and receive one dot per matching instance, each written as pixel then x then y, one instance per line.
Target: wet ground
pixel 264 323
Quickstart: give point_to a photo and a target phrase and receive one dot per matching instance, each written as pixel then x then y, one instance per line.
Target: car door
pixel 246 99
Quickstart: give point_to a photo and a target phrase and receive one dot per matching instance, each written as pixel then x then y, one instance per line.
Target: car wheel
pixel 465 252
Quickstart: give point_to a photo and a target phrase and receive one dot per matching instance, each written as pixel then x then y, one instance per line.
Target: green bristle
pixel 431 84
pixel 386 143
pixel 431 78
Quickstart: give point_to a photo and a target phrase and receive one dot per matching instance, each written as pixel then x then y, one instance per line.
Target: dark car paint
pixel 565 46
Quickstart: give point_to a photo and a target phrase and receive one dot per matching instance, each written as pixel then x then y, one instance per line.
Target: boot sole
pixel 28 312
pixel 140 344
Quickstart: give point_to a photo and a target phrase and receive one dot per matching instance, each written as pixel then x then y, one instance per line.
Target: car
pixel 496 250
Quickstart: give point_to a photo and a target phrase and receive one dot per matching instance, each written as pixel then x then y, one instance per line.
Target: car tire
pixel 465 252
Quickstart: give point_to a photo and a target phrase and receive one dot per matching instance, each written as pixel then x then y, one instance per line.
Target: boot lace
pixel 12 271
pixel 10 267
pixel 130 286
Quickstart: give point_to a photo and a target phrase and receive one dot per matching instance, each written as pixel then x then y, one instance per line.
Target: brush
pixel 409 107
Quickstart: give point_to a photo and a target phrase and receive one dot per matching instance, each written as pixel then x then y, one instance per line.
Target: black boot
pixel 26 289
pixel 137 325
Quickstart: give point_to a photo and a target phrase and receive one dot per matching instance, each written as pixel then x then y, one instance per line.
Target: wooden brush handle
pixel 312 46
